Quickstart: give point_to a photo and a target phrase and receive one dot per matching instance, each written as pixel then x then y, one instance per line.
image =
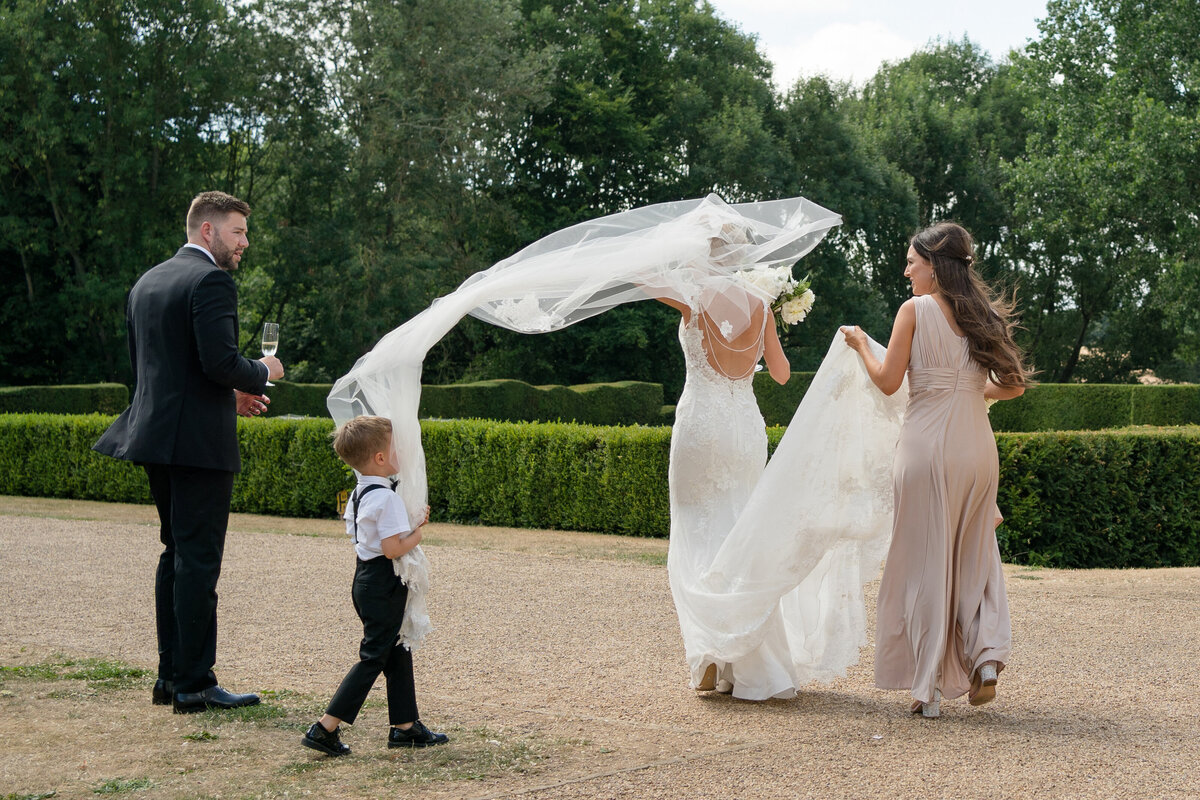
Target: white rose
pixel 794 311
pixel 791 312
pixel 782 281
pixel 772 282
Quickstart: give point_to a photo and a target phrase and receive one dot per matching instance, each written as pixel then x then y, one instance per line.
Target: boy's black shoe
pixel 416 736
pixel 326 741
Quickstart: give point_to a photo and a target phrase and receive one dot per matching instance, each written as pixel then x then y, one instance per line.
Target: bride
pixel 718 451
pixel 766 565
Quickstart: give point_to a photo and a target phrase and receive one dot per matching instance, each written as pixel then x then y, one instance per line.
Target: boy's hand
pixel 425 517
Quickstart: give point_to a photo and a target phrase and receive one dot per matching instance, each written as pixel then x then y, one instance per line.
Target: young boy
pixel 377 523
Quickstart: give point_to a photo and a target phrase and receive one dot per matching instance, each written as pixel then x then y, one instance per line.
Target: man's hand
pixel 251 405
pixel 274 367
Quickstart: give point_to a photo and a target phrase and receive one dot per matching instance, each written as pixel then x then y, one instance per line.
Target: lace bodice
pixel 691 339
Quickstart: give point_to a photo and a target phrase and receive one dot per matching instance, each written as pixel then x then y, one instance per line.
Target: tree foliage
pixel 390 148
pixel 1105 190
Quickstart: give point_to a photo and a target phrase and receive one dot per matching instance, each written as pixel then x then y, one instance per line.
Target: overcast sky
pixel 848 39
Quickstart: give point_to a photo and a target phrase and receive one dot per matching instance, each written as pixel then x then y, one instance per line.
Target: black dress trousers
pixel 193 513
pixel 379 598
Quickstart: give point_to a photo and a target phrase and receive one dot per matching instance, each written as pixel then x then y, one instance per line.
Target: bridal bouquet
pixel 793 298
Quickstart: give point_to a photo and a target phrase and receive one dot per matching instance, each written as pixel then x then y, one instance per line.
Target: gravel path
pixel 573 638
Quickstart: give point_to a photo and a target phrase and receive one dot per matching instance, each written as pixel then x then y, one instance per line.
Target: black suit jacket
pixel 183 330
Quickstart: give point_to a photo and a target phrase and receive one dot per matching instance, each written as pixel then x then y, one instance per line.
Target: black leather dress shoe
pixel 212 697
pixel 416 736
pixel 326 741
pixel 161 695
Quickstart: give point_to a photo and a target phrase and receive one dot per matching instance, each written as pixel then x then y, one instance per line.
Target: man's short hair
pixel 212 207
pixel 358 440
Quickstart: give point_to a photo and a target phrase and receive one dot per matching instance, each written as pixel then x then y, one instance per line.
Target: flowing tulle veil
pixel 688 251
pixel 817 525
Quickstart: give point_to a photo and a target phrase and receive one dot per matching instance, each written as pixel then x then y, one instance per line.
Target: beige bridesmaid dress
pixel 942 609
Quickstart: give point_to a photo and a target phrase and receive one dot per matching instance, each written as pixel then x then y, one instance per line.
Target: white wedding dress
pixel 718 452
pixel 767 566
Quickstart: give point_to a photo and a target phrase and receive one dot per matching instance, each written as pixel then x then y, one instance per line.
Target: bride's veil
pixel 688 251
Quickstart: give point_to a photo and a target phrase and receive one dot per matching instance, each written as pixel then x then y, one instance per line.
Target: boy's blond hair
pixel 358 440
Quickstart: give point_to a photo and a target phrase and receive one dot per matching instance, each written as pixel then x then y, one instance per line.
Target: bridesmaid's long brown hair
pixel 984 316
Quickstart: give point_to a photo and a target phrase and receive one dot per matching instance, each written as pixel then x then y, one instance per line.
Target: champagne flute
pixel 270 340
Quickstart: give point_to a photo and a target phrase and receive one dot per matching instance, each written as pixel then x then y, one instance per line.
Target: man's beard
pixel 223 256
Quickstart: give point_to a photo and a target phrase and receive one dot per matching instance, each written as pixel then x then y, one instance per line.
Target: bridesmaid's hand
pixel 855 338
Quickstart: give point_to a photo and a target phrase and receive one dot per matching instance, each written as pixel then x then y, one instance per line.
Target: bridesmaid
pixel 942 623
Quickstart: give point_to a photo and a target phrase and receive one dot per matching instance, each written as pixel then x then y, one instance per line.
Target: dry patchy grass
pixel 88 729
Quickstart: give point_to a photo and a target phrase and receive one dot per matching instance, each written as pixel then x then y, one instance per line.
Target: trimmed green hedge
pixel 299 399
pixel 621 403
pixel 288 466
pixel 550 475
pixel 1094 406
pixel 1045 407
pixel 99 398
pixel 779 403
pixel 1106 499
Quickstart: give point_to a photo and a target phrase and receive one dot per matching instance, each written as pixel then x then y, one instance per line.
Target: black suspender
pixel 354 498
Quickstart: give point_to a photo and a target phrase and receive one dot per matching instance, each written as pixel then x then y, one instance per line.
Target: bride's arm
pixel 682 308
pixel 888 374
pixel 777 363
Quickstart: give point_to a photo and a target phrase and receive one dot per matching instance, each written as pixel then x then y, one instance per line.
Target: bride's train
pixel 780 602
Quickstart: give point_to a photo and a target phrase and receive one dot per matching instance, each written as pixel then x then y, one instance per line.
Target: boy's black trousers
pixel 379 599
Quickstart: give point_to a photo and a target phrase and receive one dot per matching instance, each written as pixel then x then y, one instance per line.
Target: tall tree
pixel 836 163
pixel 652 101
pixel 417 96
pixel 105 109
pixel 1105 194
pixel 949 117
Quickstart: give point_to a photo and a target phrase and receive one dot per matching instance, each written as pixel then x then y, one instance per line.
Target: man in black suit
pixel 181 426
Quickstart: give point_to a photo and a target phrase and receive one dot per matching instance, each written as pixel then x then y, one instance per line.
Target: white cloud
pixel 842 51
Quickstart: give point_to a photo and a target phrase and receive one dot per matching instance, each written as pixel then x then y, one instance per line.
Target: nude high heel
pixel 983 685
pixel 709 681
pixel 929 710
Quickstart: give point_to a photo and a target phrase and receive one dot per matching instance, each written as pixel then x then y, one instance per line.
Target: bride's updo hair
pixel 984 316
